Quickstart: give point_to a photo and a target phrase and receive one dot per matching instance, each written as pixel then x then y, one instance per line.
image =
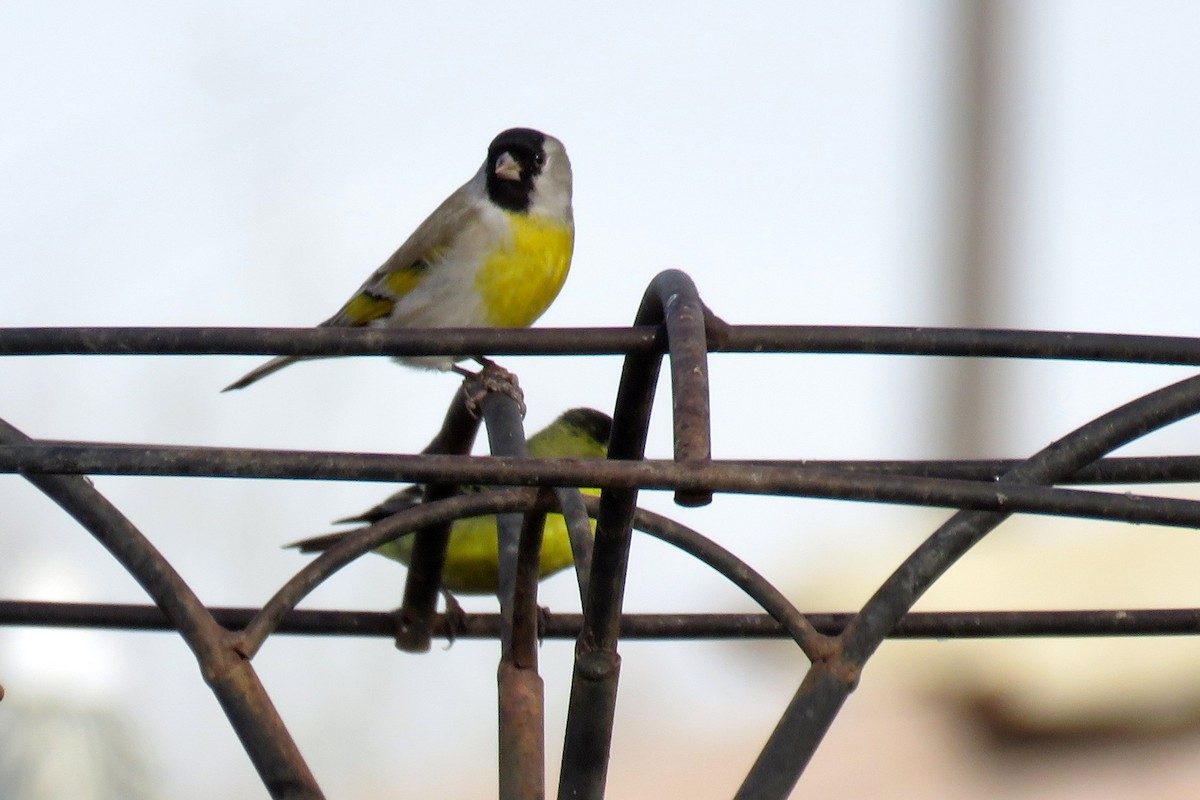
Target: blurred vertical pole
pixel 978 267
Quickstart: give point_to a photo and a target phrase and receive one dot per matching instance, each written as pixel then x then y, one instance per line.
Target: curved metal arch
pixel 828 683
pixel 234 682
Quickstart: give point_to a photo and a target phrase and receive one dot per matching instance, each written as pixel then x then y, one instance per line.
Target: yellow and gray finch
pixel 472 556
pixel 493 255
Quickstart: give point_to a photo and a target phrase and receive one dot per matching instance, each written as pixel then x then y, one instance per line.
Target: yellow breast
pixel 521 280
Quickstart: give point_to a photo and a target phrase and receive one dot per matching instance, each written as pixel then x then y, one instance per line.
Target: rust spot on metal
pixel 522 757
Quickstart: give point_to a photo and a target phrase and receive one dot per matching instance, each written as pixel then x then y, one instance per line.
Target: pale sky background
pixel 234 165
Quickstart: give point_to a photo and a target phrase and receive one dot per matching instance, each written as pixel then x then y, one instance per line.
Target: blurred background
pixel 1015 164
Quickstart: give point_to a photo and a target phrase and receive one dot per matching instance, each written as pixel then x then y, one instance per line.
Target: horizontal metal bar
pixel 797 480
pixel 827 339
pixel 1109 471
pixel 918 625
pixel 978 342
pixel 328 341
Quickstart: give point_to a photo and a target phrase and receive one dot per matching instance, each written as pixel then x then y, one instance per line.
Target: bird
pixel 494 254
pixel 472 555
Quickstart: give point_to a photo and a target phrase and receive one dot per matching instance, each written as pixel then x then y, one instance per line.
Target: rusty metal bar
pixel 506 438
pixel 964 342
pixel 359 542
pixel 521 714
pixel 362 540
pixel 829 682
pixel 1056 462
pixel 823 339
pixel 789 479
pixel 109 458
pixel 233 681
pixel 522 733
pixel 673 300
pixel 646 627
pixel 1124 470
pixel 423 580
pixel 326 341
pixel 592 706
pixel 459 426
pixel 689 332
pixel 579 528
pixel 814 644
pixel 525 613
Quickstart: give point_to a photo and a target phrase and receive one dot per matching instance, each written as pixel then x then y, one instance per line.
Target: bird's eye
pixel 539 159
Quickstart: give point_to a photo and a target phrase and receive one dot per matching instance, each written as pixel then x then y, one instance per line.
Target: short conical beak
pixel 508 168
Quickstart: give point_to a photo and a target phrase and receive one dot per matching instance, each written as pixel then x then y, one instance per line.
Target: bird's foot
pixel 491 378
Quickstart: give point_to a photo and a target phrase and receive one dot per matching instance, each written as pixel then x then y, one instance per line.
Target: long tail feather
pixel 317 544
pixel 272 366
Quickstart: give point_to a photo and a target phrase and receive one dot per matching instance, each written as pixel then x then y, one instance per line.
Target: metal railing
pixel 671 321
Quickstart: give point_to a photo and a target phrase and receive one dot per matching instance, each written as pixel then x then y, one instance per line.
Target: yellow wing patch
pixel 364 307
pixel 521 280
pixel 377 300
pixel 403 281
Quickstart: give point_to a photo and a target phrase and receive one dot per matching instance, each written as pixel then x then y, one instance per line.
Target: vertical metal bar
pixel 671 299
pixel 506 437
pixel 522 739
pixel 414 618
pixel 579 528
pixel 522 759
pixel 522 733
pixel 593 699
pixel 588 736
pixel 524 640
